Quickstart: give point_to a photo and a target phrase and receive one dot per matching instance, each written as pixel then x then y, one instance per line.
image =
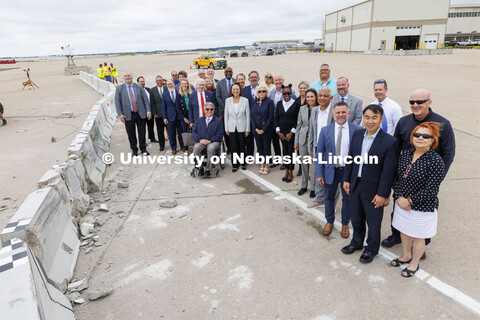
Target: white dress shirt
pixel 160 90
pixel 321 121
pixel 392 111
pixel 170 92
pixel 148 94
pixel 278 97
pixel 345 99
pixel 208 119
pixel 345 144
pixel 199 97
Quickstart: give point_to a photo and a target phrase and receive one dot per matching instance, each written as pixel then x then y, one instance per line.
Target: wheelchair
pixel 215 167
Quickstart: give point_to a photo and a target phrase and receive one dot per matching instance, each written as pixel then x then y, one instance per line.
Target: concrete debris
pixel 120 215
pixel 97 294
pixel 86 228
pixel 75 297
pixel 99 222
pixel 250 238
pixel 123 184
pixel 182 216
pixel 251 199
pixel 74 285
pixel 167 203
pixel 85 243
pixel 96 238
pixel 88 250
pixel 97 244
pixel 103 208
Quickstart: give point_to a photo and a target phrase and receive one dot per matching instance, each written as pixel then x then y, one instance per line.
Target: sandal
pixel 261 171
pixel 409 273
pixel 397 262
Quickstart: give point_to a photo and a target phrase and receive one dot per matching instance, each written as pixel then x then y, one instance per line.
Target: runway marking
pixel 445 289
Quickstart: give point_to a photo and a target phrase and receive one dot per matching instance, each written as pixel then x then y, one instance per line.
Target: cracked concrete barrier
pixel 25 291
pixel 45 224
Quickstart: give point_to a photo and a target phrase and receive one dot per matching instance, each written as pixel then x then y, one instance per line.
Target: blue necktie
pixel 384 121
pixel 228 84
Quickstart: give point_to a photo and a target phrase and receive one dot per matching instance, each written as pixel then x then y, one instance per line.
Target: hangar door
pixel 431 41
pixel 407 37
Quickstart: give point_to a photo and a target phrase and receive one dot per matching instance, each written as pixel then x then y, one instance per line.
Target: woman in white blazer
pixel 237 123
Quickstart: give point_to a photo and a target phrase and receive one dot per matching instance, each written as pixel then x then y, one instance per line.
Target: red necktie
pixel 203 104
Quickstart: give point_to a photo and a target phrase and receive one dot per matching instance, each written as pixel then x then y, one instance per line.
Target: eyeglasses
pixel 324 70
pixel 423 135
pixel 262 91
pixel 379 81
pixel 228 71
pixel 174 74
pixel 419 102
pixel 209 109
pixel 268 77
pixel 287 93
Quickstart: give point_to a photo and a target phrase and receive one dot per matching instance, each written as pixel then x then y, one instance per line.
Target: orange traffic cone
pixel 190 66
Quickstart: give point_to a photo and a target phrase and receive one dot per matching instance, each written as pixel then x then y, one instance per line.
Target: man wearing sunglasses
pixel 207 133
pixel 420 103
pixel 174 75
pixel 392 112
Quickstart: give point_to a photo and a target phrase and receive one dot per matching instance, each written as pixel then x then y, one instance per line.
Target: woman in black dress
pixel 285 127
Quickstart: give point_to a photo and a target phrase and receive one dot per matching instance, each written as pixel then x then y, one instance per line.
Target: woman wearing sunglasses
pixel 269 81
pixel 415 191
pixel 285 127
pixel 237 123
pixel 261 115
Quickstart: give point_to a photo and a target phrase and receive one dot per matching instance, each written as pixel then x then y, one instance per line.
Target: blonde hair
pixel 214 86
pixel 260 87
pixel 189 88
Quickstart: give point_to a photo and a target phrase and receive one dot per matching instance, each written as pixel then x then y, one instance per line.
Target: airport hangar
pixel 387 25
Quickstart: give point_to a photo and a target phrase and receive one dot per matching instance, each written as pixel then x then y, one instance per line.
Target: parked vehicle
pixel 270 52
pixel 257 54
pixel 233 54
pixel 244 54
pixel 210 60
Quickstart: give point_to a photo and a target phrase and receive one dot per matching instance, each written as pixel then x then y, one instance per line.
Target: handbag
pixel 187 138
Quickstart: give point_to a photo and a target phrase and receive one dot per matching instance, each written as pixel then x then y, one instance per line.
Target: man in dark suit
pixel 369 183
pixel 133 108
pixel 198 100
pixel 249 93
pixel 222 93
pixel 207 133
pixel 151 122
pixel 156 106
pixel 334 140
pixel 171 110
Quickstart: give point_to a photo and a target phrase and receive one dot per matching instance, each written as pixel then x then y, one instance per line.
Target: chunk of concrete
pixel 167 203
pixel 123 184
pixel 100 293
pixel 86 228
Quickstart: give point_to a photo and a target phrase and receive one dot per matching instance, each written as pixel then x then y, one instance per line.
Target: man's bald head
pixel 421 103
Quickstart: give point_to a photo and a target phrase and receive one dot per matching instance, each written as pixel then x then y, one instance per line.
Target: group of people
pixel 413 152
pixel 107 73
pixel 2 110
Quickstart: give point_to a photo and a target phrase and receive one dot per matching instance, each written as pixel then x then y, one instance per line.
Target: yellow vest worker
pixel 100 73
pixel 114 72
pixel 106 71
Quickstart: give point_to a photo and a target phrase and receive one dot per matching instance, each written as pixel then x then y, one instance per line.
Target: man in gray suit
pixel 221 94
pixel 133 108
pixel 156 106
pixel 354 103
pixel 321 117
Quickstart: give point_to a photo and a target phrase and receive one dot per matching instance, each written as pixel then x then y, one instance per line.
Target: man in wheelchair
pixel 207 134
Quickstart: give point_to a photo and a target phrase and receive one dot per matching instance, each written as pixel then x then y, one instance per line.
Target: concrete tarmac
pixel 195 261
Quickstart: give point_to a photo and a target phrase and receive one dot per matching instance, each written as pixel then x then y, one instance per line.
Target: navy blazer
pixel 262 117
pixel 193 107
pixel 247 93
pixel 326 146
pixel 171 110
pixel 213 133
pixel 377 178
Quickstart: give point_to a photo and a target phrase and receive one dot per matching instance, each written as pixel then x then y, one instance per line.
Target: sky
pixel 39 28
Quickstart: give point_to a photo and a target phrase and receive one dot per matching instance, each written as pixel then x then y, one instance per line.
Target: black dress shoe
pixel 312 194
pixel 350 249
pixel 145 153
pixel 283 167
pixel 367 256
pixel 273 165
pixel 299 173
pixel 391 241
pixel 244 167
pixel 207 173
pixel 162 148
pixel 134 153
pixel 154 140
pixel 200 172
pixel 302 191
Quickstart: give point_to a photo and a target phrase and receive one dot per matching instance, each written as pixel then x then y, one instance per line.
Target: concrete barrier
pixel 26 293
pixel 46 225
